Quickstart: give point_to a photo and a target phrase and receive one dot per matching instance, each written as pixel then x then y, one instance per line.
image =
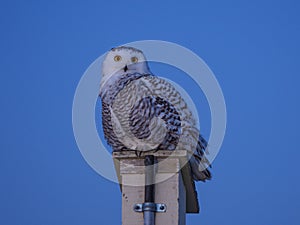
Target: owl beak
pixel 125 68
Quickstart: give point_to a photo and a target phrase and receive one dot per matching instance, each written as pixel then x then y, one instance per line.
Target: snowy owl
pixel 141 111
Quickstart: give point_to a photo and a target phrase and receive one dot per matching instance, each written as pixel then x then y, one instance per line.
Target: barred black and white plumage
pixel 142 112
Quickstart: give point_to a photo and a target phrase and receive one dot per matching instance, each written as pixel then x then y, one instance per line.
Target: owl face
pixel 124 60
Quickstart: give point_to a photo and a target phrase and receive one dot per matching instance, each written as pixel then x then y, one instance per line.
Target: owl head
pixel 124 60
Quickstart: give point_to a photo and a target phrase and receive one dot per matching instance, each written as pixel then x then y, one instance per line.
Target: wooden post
pixel 174 186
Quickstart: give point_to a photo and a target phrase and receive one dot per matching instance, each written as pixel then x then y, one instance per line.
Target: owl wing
pixel 168 102
pixel 149 108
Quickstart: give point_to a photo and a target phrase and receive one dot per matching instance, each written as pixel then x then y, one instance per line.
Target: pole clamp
pixel 150 206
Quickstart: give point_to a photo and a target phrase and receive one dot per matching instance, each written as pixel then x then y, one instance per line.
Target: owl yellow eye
pixel 117 58
pixel 134 59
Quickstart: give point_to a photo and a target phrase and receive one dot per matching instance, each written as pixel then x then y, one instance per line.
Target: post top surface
pixel 158 154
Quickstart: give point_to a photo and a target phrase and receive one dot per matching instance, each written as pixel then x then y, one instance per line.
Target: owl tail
pixel 199 172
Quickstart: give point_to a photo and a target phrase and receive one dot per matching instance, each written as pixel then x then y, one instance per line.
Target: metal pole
pixel 149 214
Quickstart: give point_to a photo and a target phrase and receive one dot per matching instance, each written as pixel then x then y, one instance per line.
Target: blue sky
pixel 252 48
